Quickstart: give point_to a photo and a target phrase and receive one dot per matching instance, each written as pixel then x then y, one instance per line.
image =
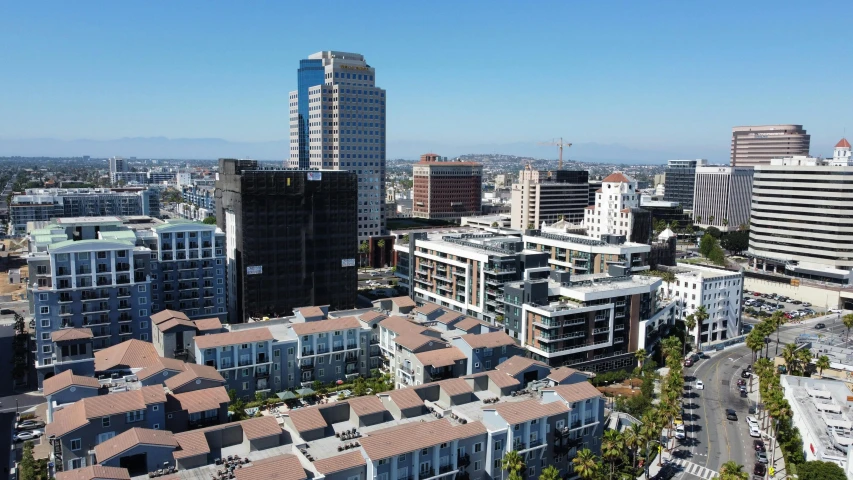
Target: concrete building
pixel 117 165
pixel 718 291
pixel 548 196
pixel 337 122
pixel 722 197
pixel 45 204
pixel 758 144
pixel 594 186
pixel 590 322
pixel 679 181
pixel 616 204
pixel 801 223
pixel 446 190
pixel 291 238
pixel 464 272
pixel 582 255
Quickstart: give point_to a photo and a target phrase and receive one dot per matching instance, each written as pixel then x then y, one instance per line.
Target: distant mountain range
pixel 212 148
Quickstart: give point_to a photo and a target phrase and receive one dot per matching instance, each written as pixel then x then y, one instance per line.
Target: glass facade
pixel 311 74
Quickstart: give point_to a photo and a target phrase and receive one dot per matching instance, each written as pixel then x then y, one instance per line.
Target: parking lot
pixel 765 304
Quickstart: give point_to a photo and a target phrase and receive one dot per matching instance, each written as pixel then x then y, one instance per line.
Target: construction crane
pixel 560 144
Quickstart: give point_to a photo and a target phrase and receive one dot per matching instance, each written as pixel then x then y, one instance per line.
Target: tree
pixel 755 342
pixel 701 314
pixel 612 446
pixel 735 242
pixel 817 470
pixel 668 278
pixel 495 224
pixel 512 462
pixel 706 244
pixel 585 464
pixel 209 221
pixel 776 320
pixel 848 322
pixel 640 355
pixel 633 438
pixel 698 218
pixel 725 222
pixel 381 245
pixel 689 324
pixel 714 232
pixel 711 220
pixel 731 470
pixel 550 473
pixel 822 362
pixel 789 354
pixel 717 255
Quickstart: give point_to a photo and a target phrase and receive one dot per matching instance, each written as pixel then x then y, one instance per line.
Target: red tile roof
pixel 199 400
pixel 468 324
pixel 248 335
pixel 524 411
pixel 502 379
pixel 517 364
pixel 311 312
pixel 406 398
pixel 67 379
pixel 78 415
pixel 208 324
pixel 192 373
pixel 403 302
pixel 427 308
pixel 71 334
pixel 339 463
pixel 561 373
pixel 441 357
pixel 372 315
pixel 93 472
pixel 409 437
pixel 449 316
pixel 282 467
pixel 616 177
pixel 171 364
pixel 455 386
pixel 260 427
pixel 843 143
pixel 132 353
pixel 192 443
pixel 317 326
pixel 131 438
pixel 307 419
pixel 165 315
pixel 576 391
pixel 401 325
pixel 366 405
pixel 488 340
pixel 414 341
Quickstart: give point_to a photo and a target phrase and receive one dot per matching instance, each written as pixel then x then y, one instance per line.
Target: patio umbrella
pixel 288 395
pixel 305 391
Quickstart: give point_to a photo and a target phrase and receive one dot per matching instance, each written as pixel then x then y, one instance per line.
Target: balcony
pixel 464 460
pixel 65 298
pixel 84 271
pixel 65 312
pixel 597 331
pixel 124 306
pixel 62 271
pixel 306 366
pixel 125 318
pixel 338 348
pixel 407 370
pixel 245 362
pixel 423 474
pixel 89 296
pixel 262 373
pixel 557 338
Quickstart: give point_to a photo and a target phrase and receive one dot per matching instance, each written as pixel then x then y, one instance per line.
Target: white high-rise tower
pixel 337 121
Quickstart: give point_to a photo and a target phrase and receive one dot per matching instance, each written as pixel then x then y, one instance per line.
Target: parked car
pixel 759 470
pixel 819 326
pixel 796 302
pixel 834 310
pixel 761 457
pixel 756 294
pixel 741 382
pixel 28 435
pixel 6 311
pixel 688 362
pixel 745 373
pixel 680 432
pixel 751 421
pixel 29 425
pixel 700 385
pixel 807 304
pixel 731 414
pixel 758 445
pixel 754 431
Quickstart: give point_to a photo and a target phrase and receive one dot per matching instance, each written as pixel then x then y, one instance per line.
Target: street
pixel 713 440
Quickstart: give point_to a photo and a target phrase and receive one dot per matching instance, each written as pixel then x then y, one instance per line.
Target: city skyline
pixel 643 84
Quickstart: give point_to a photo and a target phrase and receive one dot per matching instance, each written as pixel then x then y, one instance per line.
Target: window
pixel 105 422
pixel 45 335
pixel 140 288
pixel 143 337
pixel 382 461
pixel 143 312
pixel 425 451
pixel 45 322
pixel 322 372
pixel 135 416
pixel 478 465
pixel 76 444
pixel 498 445
pixel 156 426
pixel 143 300
pixel 531 471
pixel 42 297
pixel 75 463
pixel 143 324
pixel 44 310
pixel 46 348
pixel 103 437
pixel 245 385
pixel 401 458
pixel 245 372
pixel 155 408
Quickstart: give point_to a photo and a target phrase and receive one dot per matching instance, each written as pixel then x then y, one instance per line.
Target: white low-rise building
pixel 719 291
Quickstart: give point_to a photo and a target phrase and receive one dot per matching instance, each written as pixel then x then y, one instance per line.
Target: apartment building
pixel 800 219
pixel 722 197
pixel 591 322
pixel 464 271
pixel 337 122
pixel 548 196
pixel 136 393
pixel 117 165
pixel 616 210
pixel 446 190
pixel 291 238
pixel 199 201
pixel 679 181
pixel 46 204
pixel 759 144
pixel 719 291
pixel 587 255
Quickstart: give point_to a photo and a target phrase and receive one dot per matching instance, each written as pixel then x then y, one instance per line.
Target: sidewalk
pixel 778 463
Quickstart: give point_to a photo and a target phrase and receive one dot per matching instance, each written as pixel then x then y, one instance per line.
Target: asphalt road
pixel 712 439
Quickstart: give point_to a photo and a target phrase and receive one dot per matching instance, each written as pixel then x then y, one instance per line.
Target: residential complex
pixel 109 274
pixel 679 180
pixel 117 165
pixel 758 144
pixel 445 189
pixel 722 197
pixel 616 210
pixel 548 196
pixel 593 322
pixel 800 219
pixel 337 122
pixel 716 289
pixel 45 204
pixel 582 255
pixel 290 238
pixel 199 202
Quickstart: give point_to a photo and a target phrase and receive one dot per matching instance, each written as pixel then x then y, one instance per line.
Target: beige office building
pixel 758 144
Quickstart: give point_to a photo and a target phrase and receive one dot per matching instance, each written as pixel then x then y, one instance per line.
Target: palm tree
pixel 512 462
pixel 822 362
pixel 725 222
pixel 633 438
pixel 612 446
pixel 804 359
pixel 701 314
pixel 550 473
pixel 698 218
pixel 668 278
pixel 585 464
pixel 689 324
pixel 711 220
pixel 381 245
pixel 755 342
pixel 789 355
pixel 731 470
pixel 848 322
pixel 777 319
pixel 640 355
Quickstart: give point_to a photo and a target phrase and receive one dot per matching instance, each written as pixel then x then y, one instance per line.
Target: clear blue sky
pixel 637 73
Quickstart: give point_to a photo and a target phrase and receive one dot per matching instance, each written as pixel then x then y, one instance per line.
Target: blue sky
pixel 655 76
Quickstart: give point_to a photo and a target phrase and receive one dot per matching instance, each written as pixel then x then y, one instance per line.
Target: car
pixel 680 432
pixel 796 302
pixel 29 425
pixel 834 310
pixel 745 373
pixel 807 304
pixel 751 421
pixel 700 385
pixel 731 414
pixel 789 315
pixel 761 457
pixel 754 431
pixel 678 420
pixel 759 446
pixel 779 306
pixel 6 311
pixel 28 435
pixel 756 294
pixel 741 382
pixel 688 362
pixel 743 393
pixel 759 470
pixel 808 310
pixel 819 326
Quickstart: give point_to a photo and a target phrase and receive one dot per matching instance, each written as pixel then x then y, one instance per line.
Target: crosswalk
pixel 695 469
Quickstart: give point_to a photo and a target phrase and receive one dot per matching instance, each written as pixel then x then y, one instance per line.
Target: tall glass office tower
pixel 337 122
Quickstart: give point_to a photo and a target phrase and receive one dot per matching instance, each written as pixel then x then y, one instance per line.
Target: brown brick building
pixel 446 190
